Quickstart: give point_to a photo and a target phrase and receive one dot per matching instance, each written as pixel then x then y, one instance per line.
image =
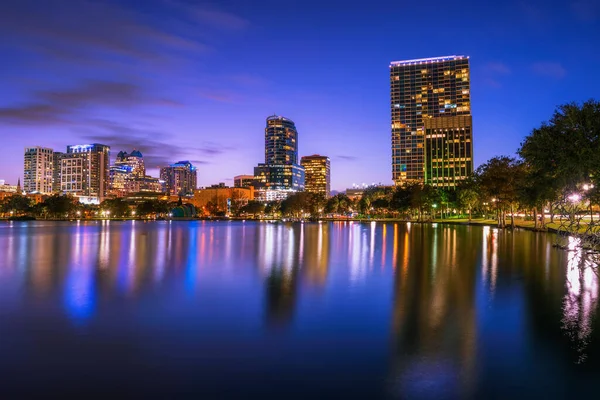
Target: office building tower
pixel 38 170
pixel 431 121
pixel 133 162
pixel 243 181
pixel 56 171
pixel 280 170
pixel 180 179
pixel 85 172
pixel 316 174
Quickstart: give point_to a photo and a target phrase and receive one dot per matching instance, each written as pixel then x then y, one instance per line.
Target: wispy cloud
pixel 158 147
pixel 549 68
pixel 88 29
pixel 65 105
pixel 346 158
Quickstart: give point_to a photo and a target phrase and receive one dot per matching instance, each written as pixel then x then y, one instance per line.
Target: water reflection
pixel 434 321
pixel 401 310
pixel 581 300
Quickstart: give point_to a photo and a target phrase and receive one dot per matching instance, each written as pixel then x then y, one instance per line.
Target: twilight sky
pixel 195 80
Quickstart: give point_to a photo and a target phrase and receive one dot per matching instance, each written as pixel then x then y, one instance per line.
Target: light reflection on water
pixel 396 310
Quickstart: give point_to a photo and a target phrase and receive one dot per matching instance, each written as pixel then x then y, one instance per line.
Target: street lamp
pixel 575 197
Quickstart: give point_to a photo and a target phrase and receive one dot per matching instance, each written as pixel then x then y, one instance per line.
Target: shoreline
pixel 475 222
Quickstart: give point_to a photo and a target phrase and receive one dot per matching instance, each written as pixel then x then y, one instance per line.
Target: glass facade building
pixel 431 106
pixel 280 170
pixel 317 174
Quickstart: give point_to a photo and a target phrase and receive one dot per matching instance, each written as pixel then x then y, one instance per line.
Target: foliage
pixel 58 206
pixel 117 207
pixel 152 208
pixel 16 204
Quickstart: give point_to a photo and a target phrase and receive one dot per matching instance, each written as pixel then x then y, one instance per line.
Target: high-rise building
pixel 38 170
pixel 280 170
pixel 56 171
pixel 431 120
pixel 243 181
pixel 180 178
pixel 128 175
pixel 281 141
pixel 85 172
pixel 134 162
pixel 316 174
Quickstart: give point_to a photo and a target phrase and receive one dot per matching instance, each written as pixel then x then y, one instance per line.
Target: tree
pixel 152 207
pixel 117 207
pixel 567 148
pixel 253 208
pixel 58 206
pixel 499 178
pixel 16 204
pixel 468 196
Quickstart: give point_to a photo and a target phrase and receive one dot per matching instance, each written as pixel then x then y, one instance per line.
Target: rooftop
pixel 426 60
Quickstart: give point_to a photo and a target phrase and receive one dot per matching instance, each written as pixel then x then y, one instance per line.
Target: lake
pixel 293 310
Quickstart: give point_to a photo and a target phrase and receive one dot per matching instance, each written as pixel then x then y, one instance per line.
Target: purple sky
pixel 195 80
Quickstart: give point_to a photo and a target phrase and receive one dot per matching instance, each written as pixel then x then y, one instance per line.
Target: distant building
pixel 7 190
pixel 128 175
pixel 268 195
pixel 180 179
pixel 144 184
pixel 431 106
pixel 5 187
pixel 222 198
pixel 133 162
pixel 38 170
pixel 243 180
pixel 355 193
pixel 317 174
pixel 85 172
pixel 281 170
pixel 56 171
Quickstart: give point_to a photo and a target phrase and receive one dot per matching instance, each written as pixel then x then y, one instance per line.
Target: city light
pixel 575 197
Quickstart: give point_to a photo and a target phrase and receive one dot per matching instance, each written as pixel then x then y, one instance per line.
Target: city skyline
pixel 199 90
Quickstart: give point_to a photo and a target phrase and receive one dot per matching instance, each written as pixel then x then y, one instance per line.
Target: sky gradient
pixel 188 80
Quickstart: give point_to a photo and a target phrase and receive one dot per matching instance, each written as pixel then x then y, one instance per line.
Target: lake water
pixel 274 310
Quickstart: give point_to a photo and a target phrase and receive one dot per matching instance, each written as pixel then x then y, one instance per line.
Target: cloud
pixel 214 149
pixel 33 114
pixel 221 96
pixel 158 147
pixel 64 106
pixel 346 158
pixel 207 15
pixel 220 19
pixel 549 68
pixel 497 68
pixel 87 31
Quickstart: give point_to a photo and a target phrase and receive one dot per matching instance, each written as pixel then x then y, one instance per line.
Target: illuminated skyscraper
pixel 180 178
pixel 85 172
pixel 316 174
pixel 38 170
pixel 431 120
pixel 133 162
pixel 280 170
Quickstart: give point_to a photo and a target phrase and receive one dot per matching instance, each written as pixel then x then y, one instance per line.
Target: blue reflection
pixel 80 294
